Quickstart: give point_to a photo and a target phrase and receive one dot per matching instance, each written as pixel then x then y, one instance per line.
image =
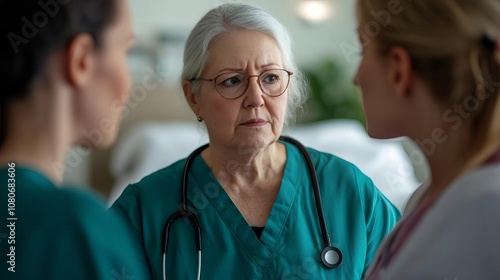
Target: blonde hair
pixel 453 46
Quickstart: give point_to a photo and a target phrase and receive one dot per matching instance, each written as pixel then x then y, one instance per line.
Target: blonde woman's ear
pixel 400 70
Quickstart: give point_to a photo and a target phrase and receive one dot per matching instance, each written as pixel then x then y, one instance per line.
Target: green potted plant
pixel 333 94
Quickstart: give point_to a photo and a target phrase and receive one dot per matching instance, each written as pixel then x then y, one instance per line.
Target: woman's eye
pixel 270 79
pixel 231 81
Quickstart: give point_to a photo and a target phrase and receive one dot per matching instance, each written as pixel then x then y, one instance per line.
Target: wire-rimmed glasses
pixel 232 85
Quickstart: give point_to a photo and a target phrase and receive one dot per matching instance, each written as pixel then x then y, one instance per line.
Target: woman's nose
pixel 355 79
pixel 253 94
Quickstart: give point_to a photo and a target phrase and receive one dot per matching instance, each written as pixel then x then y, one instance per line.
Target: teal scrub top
pixel 357 215
pixel 61 234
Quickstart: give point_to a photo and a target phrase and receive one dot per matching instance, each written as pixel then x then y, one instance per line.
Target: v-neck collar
pixel 260 251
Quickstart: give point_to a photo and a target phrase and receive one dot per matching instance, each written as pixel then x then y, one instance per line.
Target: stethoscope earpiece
pixel 331 257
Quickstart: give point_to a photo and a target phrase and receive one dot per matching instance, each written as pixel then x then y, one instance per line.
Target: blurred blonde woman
pixel 431 71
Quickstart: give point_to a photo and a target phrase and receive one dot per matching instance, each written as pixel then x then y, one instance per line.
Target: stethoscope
pixel 331 257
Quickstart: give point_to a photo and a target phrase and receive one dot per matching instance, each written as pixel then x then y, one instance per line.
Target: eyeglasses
pixel 233 84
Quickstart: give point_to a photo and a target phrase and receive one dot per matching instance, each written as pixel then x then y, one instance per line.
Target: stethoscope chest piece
pixel 331 257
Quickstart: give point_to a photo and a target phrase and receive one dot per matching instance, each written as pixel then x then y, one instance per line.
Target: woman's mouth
pixel 254 122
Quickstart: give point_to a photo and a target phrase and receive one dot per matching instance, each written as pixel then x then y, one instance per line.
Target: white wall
pixel 312 42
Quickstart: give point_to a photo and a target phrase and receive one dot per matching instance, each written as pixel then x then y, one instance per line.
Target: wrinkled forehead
pixel 243 50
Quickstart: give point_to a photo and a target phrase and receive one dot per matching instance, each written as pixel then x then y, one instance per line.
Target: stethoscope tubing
pixel 186 213
pixel 317 194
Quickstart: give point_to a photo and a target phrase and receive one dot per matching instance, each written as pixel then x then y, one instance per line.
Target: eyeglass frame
pixel 248 82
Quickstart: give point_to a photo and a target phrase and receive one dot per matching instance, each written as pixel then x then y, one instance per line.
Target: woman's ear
pixel 80 60
pixel 191 97
pixel 400 70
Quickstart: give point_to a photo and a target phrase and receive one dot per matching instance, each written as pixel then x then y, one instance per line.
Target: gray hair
pixel 235 16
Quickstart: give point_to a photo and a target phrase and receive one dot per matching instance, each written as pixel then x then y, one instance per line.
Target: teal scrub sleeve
pixel 127 207
pixel 380 213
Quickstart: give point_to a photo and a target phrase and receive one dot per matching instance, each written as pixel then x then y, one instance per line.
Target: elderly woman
pixel 248 200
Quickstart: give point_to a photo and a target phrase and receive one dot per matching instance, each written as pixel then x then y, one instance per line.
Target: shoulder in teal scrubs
pixel 357 215
pixel 61 234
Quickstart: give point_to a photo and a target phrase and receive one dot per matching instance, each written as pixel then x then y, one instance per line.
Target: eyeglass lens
pixel 233 85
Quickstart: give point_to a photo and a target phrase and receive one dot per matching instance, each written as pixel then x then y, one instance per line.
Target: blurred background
pixel 158 127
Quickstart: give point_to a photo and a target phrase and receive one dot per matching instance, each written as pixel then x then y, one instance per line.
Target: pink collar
pixel 495 158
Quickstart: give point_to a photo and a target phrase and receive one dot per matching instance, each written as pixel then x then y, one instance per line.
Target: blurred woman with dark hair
pixel 64 72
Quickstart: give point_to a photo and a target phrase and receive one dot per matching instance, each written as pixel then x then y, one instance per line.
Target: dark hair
pixel 31 30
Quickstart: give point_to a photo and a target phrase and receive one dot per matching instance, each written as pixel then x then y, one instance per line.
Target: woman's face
pixel 253 120
pixel 373 79
pixel 106 97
